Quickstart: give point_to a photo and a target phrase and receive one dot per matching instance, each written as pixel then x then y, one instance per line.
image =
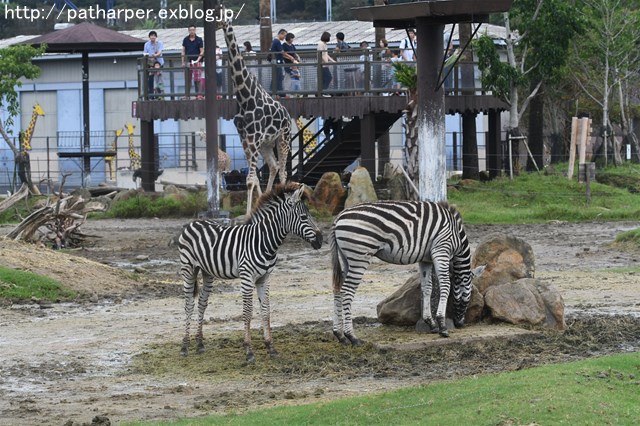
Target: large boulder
pixel 396 182
pixel 361 188
pixel 329 194
pixel 507 259
pixel 526 301
pixel 404 306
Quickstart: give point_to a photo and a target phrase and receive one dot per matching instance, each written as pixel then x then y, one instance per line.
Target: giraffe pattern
pixel 224 161
pixel 28 133
pixel 262 122
pixel 134 157
pixel 309 141
pixel 110 160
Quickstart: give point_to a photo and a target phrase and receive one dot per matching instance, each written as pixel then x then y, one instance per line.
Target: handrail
pixel 356 72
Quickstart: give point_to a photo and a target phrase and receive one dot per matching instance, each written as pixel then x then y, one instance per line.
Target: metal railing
pixel 356 72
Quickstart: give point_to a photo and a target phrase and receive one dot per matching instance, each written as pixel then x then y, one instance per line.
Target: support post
pixel 572 147
pixel 368 145
pixel 86 126
pixel 493 144
pixel 211 112
pixel 431 125
pixel 147 155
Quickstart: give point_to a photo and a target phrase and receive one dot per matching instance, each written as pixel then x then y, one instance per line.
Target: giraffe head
pixel 37 109
pixel 130 128
pixel 118 133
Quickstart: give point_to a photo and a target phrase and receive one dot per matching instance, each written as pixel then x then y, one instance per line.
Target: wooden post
pixel 572 147
pixel 582 134
pixel 587 175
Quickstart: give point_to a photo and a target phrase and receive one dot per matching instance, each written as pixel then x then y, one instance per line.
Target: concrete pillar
pixel 431 124
pixel 368 144
pixel 147 156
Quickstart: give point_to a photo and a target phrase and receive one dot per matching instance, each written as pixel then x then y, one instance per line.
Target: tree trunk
pixel 266 33
pixel 411 147
pixel 470 168
pixel 536 130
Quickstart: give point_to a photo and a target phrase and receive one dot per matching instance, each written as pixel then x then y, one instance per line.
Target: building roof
pixel 87 37
pixel 307 34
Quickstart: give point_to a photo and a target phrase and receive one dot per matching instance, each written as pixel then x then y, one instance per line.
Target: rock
pixel 83 193
pixel 396 182
pixel 125 195
pixel 361 188
pixel 404 306
pixel 142 257
pixel 507 259
pixel 329 194
pixel 140 270
pixel 100 421
pixel 526 301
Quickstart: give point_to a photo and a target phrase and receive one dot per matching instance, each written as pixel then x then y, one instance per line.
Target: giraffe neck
pixel 243 81
pixel 26 140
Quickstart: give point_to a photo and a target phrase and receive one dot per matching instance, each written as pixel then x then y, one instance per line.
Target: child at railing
pixel 294 74
pixel 158 86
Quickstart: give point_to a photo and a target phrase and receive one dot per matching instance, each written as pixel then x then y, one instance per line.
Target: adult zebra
pixel 400 232
pixel 248 252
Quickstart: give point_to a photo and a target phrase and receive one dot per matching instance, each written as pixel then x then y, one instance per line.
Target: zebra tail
pixel 338 277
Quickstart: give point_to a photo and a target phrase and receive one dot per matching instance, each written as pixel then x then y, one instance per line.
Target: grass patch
pixel 19 210
pixel 21 285
pixel 594 391
pixel 628 241
pixel 143 205
pixel 536 198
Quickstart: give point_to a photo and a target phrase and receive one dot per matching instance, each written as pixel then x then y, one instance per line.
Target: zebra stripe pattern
pixel 400 232
pixel 248 252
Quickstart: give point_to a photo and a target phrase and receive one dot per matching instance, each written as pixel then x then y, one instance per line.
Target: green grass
pixel 169 206
pixel 20 209
pixel 597 391
pixel 632 236
pixel 536 198
pixel 21 285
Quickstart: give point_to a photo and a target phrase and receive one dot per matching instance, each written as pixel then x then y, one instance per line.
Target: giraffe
pixel 28 132
pixel 134 157
pixel 309 141
pixel 111 159
pixel 224 162
pixel 262 122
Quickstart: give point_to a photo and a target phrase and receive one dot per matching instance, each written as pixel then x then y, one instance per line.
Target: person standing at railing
pixel 365 60
pixel 153 51
pixel 408 46
pixel 290 56
pixel 278 75
pixel 325 59
pixel 193 52
pixel 219 70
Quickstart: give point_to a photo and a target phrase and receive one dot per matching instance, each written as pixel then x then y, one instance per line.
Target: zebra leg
pixel 203 301
pixel 338 324
pixel 349 288
pixel 189 275
pixel 426 324
pixel 441 265
pixel 461 298
pixel 247 312
pixel 262 287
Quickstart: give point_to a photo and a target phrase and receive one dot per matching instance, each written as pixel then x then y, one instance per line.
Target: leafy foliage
pixel 406 75
pixel 15 64
pixel 497 75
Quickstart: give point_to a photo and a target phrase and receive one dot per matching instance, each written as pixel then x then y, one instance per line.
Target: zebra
pixel 401 232
pixel 248 252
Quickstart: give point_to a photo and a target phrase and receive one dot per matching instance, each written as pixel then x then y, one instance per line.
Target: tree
pixel 15 64
pixel 538 38
pixel 405 74
pixel 608 61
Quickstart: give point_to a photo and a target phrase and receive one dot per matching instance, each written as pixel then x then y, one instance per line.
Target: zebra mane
pixel 274 196
pixel 452 209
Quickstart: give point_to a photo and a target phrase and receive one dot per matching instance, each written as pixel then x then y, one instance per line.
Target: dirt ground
pixel 115 351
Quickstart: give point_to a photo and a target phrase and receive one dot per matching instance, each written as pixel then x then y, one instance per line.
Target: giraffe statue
pixel 309 141
pixel 134 157
pixel 262 122
pixel 224 162
pixel 112 159
pixel 28 132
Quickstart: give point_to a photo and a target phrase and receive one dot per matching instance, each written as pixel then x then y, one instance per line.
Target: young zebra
pixel 400 232
pixel 248 252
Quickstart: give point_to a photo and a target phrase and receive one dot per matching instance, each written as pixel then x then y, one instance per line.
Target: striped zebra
pixel 400 232
pixel 248 252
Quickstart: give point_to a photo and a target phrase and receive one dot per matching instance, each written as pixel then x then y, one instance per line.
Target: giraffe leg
pixel 270 159
pixel 253 182
pixel 283 152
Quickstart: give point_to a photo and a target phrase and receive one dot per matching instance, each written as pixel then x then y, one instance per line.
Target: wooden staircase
pixel 341 147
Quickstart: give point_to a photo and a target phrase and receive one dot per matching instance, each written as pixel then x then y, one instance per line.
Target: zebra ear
pixel 297 195
pixel 476 272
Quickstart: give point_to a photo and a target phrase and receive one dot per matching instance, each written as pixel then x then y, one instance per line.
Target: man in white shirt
pixel 408 45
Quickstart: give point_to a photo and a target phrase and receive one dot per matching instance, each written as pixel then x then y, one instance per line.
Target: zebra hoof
pixel 251 359
pixel 273 353
pixel 354 340
pixel 184 352
pixel 423 327
pixel 444 332
pixel 343 340
pixel 459 324
pixel 201 349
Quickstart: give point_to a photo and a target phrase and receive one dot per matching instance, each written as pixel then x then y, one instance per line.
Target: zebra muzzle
pixel 317 242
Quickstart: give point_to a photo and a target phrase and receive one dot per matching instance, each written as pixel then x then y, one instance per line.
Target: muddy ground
pixel 115 351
